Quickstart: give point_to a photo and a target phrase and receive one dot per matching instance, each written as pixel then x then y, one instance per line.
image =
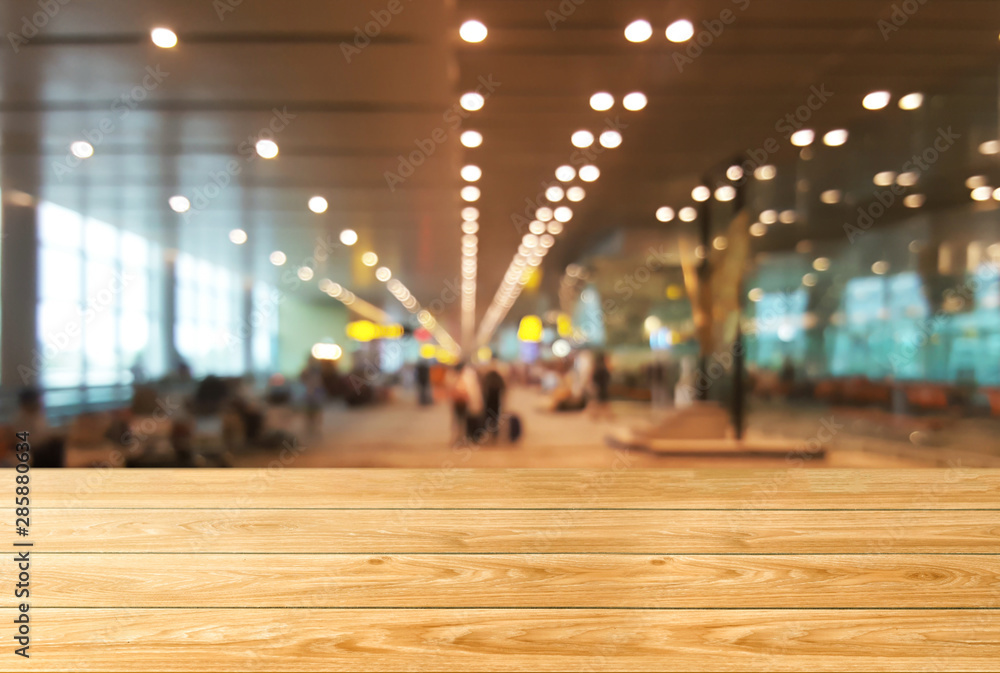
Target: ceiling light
pixel 884 178
pixel 473 31
pixel 470 193
pixel 907 179
pixel 734 173
pixel 529 241
pixel 880 267
pixel 914 200
pixel 565 173
pixel 720 243
pixel 830 196
pixel 725 193
pixel 634 101
pixel 348 237
pixel 470 227
pixel 472 138
pixel 769 216
pixel 278 258
pixel 318 204
pixel 576 194
pixel 758 229
pixel 765 172
pixel 821 263
pixel 544 214
pixel 809 280
pixel 602 101
pixel 787 217
pixel 563 214
pixel 164 38
pixel 982 193
pixel 665 214
pixel 680 31
pixel 472 101
pixel 755 294
pixel 976 181
pixel 688 214
pixel 589 173
pixel 81 149
pixel 179 204
pixel 383 274
pixel 876 100
pixel 267 149
pixel 990 147
pixel 305 273
pixel 471 173
pixel 554 193
pixel 369 259
pixel 238 236
pixel 470 214
pixel 911 101
pixel 638 31
pixel 537 227
pixel 611 139
pixel 835 138
pixel 803 138
pixel 555 227
pixel 701 193
pixel 582 139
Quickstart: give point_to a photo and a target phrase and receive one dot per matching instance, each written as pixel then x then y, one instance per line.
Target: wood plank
pixel 617 487
pixel 562 580
pixel 191 531
pixel 510 640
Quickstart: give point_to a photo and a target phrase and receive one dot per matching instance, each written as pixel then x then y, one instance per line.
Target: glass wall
pixel 210 328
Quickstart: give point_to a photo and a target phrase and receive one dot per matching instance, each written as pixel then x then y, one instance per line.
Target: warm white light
pixel 471 138
pixel 589 173
pixel 982 193
pixel 369 259
pixel 305 273
pixel 565 173
pixel 267 149
pixel 884 178
pixel 680 31
pixel 81 149
pixel 563 214
pixel 634 101
pixel 638 31
pixel 602 101
pixel 318 204
pixel 725 193
pixel 473 31
pixel 238 236
pixel 537 227
pixel 470 214
pixel 976 181
pixel 701 193
pixel 611 139
pixel 787 217
pixel 163 38
pixel 803 137
pixel 582 139
pixel 688 214
pixel 835 138
pixel 990 147
pixel 765 172
pixel 876 100
pixel 179 204
pixel 544 214
pixel 809 280
pixel 472 101
pixel 348 237
pixel 720 243
pixel 830 196
pixel 470 227
pixel 907 179
pixel 881 267
pixel 470 193
pixel 665 214
pixel 471 173
pixel 561 348
pixel 758 229
pixel 755 294
pixel 555 227
pixel 911 101
pixel 554 193
pixel 734 173
pixel 576 194
pixel 914 200
pixel 327 352
pixel 383 274
pixel 278 258
pixel 769 216
pixel 821 263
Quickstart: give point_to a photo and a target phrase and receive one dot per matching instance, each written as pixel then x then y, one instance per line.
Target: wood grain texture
pixel 516 580
pixel 619 488
pixel 505 640
pixel 510 531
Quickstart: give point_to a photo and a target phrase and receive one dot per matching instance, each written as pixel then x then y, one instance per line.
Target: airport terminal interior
pixel 501 233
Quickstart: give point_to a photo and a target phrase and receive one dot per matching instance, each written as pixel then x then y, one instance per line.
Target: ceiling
pixel 346 121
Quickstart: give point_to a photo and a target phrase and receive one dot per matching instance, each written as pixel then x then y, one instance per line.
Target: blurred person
pixel 467 401
pixel 494 391
pixel 423 380
pixel 315 393
pixel 601 379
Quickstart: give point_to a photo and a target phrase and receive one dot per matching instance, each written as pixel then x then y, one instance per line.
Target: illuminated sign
pixel 365 331
pixel 530 329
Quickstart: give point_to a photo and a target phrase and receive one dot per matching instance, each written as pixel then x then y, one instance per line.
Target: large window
pixel 210 330
pixel 100 302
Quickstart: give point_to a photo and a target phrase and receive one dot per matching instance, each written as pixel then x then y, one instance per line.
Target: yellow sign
pixel 530 329
pixel 366 330
pixel 564 325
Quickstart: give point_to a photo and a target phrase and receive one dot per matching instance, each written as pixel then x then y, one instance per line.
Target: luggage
pixel 514 428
